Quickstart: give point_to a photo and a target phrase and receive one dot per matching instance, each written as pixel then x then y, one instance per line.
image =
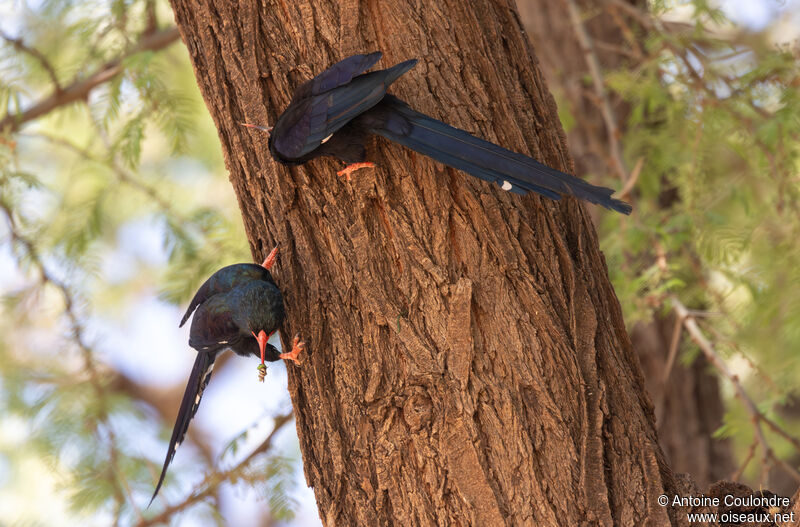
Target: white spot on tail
pixel 506 185
pixel 326 139
pixel 175 448
pixel 223 342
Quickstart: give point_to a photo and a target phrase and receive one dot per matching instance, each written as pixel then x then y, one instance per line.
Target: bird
pixel 334 113
pixel 239 308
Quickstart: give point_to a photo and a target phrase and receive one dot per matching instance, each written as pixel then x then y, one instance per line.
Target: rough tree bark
pixel 468 362
pixel 688 405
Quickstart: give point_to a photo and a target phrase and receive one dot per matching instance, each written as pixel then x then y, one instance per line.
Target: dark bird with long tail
pixel 239 307
pixel 334 113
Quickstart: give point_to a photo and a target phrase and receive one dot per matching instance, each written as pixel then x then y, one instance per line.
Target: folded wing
pixel 223 281
pixel 337 75
pixel 311 120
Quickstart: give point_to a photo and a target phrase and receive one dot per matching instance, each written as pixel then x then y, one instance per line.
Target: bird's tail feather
pixel 396 71
pixel 512 171
pixel 198 379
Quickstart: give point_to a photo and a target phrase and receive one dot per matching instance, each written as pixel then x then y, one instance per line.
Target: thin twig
pixel 19 45
pixel 123 176
pixel 212 481
pixel 673 348
pixel 123 483
pixel 781 432
pixel 152 17
pixel 628 187
pixel 78 331
pixel 747 458
pixel 628 34
pixel 612 130
pixel 733 344
pixel 614 48
pixel 756 417
pixel 634 12
pixel 78 337
pixel 80 88
pixel 647 20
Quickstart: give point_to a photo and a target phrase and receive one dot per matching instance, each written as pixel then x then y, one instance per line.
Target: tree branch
pixel 80 89
pixel 756 416
pixel 122 175
pixel 747 458
pixel 165 401
pixel 78 331
pixel 116 475
pixel 19 45
pixel 585 42
pixel 212 481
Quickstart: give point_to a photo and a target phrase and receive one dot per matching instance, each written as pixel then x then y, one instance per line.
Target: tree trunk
pixel 688 406
pixel 467 360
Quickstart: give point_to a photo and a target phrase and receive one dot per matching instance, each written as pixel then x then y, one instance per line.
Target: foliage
pixel 139 152
pixel 715 115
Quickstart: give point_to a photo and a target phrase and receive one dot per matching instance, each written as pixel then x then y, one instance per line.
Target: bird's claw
pixel 345 172
pixel 298 346
pixel 270 259
pixel 262 372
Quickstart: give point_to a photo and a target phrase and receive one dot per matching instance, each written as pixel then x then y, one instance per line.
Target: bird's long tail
pixel 396 121
pixel 198 379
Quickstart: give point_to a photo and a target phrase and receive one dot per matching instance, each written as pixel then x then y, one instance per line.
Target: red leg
pixel 297 346
pixel 262 368
pixel 270 259
pixel 352 168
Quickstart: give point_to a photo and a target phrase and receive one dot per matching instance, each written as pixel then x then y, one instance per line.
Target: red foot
pixel 270 259
pixel 352 168
pixel 297 346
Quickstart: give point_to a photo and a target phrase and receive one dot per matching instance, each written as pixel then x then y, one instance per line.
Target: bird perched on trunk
pixel 238 307
pixel 335 112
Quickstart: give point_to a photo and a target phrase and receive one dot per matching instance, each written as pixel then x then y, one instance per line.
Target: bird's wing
pixel 340 73
pixel 198 379
pixel 213 326
pixel 223 281
pixel 310 121
pixel 199 297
